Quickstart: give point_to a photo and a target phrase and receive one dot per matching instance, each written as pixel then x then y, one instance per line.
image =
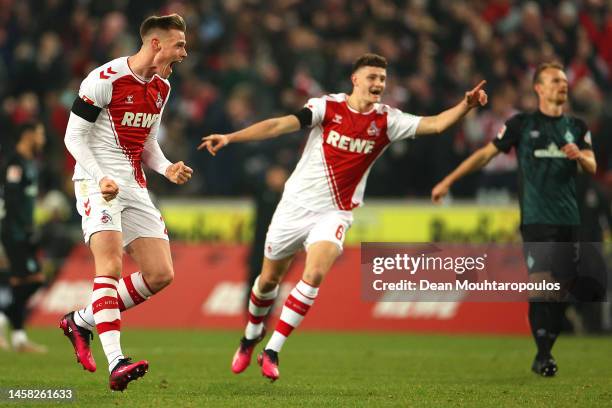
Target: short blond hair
pixel 544 66
pixel 166 23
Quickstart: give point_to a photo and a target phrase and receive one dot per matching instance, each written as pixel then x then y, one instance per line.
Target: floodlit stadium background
pixel 249 60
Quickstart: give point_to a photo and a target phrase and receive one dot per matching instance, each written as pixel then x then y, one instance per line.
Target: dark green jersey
pixel 20 181
pixel 547 178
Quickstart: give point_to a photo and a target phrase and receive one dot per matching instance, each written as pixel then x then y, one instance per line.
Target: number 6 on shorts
pixel 340 232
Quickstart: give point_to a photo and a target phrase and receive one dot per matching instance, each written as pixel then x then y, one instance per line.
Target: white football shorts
pixel 132 213
pixel 294 227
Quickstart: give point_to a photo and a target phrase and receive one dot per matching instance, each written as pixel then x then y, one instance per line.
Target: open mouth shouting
pixel 167 69
pixel 171 66
pixel 376 92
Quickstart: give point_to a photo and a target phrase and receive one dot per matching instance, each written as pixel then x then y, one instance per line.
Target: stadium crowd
pixel 251 59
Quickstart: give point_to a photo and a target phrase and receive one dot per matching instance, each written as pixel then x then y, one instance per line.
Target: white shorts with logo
pixel 132 213
pixel 294 227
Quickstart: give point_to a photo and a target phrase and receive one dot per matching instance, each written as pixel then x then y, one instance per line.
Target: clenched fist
pixel 108 188
pixel 571 151
pixel 179 173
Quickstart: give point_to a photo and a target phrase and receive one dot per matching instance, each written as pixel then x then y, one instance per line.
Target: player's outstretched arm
pixel 442 121
pixel 265 129
pixel 476 161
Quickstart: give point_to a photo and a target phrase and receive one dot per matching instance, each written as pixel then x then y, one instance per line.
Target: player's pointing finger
pixel 203 145
pixel 479 86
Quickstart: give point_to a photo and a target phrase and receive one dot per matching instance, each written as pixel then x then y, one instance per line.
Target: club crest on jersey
pixel 373 130
pixel 159 102
pixel 106 217
pixel 569 137
pixel 337 119
pixel 534 134
pixel 129 99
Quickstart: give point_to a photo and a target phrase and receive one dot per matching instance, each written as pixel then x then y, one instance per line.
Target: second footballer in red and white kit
pixel 112 131
pixel 349 132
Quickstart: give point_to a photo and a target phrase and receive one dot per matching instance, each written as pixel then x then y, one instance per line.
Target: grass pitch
pixel 191 369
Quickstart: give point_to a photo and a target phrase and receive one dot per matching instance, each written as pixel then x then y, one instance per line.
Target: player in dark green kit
pixel 551 148
pixel 20 182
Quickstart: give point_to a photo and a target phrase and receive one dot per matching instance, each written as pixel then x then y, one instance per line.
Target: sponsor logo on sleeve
pixel 107 74
pixel 87 99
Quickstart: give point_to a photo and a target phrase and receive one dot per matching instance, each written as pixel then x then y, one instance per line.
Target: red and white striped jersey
pixel 131 112
pixel 340 151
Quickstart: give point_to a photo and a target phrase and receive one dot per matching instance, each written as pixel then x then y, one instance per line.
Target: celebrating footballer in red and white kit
pixel 349 132
pixel 112 131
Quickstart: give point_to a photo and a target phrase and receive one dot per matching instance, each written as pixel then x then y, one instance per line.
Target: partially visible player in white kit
pixel 349 132
pixel 112 130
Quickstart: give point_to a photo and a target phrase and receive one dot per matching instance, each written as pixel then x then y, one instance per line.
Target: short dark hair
pixel 544 66
pixel 169 22
pixel 23 128
pixel 369 60
pixel 16 133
